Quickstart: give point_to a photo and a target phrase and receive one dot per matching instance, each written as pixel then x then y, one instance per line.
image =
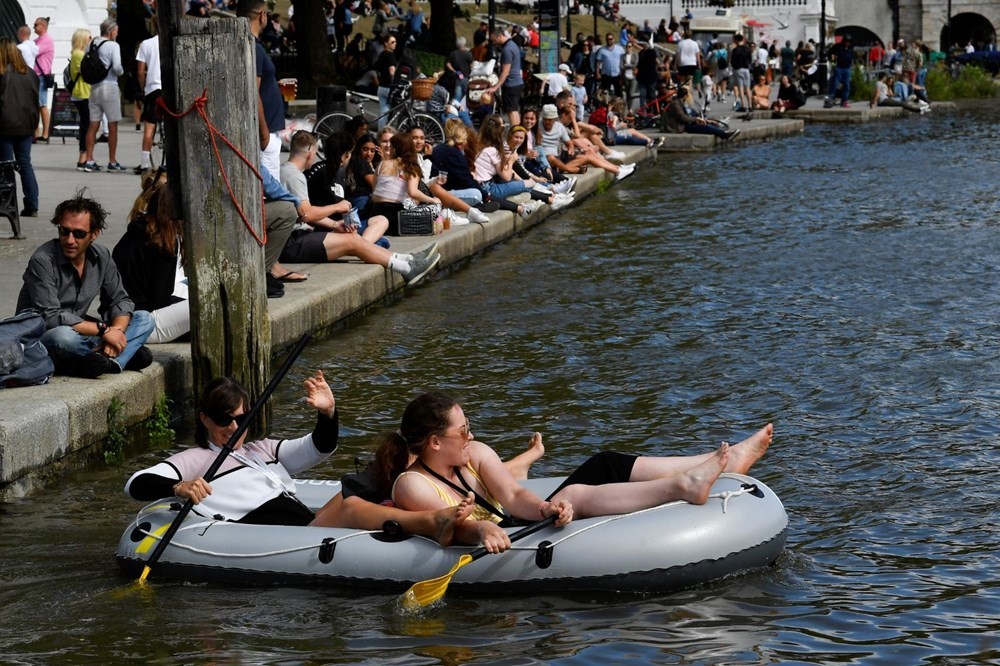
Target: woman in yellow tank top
pixel 450 463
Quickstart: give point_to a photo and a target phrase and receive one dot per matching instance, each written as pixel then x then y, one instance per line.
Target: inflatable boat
pixel 742 526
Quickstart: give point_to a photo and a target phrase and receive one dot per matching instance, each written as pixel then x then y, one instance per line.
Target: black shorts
pixel 599 469
pixel 510 99
pixel 687 70
pixel 304 247
pixel 150 112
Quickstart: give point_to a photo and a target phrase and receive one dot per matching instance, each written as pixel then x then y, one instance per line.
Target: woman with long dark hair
pixel 19 112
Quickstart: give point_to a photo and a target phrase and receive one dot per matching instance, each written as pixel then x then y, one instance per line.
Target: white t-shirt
pixel 552 142
pixel 149 53
pixel 687 53
pixel 556 83
pixel 29 51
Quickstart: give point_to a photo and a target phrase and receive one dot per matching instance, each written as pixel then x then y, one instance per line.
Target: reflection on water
pixel 841 284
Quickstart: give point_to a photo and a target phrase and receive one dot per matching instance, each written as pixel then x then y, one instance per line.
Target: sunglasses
pixel 224 420
pixel 78 234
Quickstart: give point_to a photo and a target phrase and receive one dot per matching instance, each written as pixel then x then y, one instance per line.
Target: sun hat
pixel 549 112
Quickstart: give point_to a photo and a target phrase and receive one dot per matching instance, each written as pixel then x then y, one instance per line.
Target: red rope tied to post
pixel 199 105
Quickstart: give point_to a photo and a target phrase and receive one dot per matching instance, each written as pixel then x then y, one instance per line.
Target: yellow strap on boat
pixel 152 538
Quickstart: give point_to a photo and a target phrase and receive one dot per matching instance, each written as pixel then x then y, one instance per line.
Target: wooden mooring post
pixel 223 260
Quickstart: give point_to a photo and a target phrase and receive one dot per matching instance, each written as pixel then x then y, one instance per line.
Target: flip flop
pixel 292 276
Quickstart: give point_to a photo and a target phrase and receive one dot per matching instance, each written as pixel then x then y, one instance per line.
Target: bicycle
pixel 402 116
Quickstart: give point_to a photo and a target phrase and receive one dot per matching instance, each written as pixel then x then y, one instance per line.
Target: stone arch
pixel 969 26
pixel 11 18
pixel 860 35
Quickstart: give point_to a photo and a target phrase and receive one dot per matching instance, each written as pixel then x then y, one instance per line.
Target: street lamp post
pixel 822 46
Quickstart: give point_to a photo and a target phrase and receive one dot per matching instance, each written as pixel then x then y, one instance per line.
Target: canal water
pixel 842 284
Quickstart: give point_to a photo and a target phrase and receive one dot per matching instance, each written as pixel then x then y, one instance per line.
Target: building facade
pixel 65 16
pixel 868 21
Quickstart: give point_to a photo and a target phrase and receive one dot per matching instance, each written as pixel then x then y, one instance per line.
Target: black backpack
pixel 92 70
pixel 24 360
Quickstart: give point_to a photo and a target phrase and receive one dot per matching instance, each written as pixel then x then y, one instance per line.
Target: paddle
pixel 427 592
pixel 226 450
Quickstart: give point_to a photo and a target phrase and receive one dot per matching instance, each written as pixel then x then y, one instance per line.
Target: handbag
pixel 418 221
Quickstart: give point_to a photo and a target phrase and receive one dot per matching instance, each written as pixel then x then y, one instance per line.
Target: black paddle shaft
pixel 230 445
pixel 518 535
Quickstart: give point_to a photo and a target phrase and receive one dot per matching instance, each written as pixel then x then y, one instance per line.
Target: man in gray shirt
pixel 63 278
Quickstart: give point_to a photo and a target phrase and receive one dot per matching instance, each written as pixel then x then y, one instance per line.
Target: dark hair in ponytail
pixel 423 417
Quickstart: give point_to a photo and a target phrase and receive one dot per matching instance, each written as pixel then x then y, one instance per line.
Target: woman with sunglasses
pixel 254 484
pixel 451 464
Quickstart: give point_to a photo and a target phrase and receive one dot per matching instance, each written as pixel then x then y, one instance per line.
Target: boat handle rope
pixel 213 553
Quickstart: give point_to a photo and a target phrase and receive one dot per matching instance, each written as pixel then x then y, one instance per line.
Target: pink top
pixel 46 51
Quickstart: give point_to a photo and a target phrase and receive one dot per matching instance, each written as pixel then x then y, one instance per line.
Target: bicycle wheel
pixel 330 123
pixel 433 131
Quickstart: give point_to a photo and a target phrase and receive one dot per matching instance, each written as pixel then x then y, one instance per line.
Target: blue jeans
pixel 19 148
pixel 471 196
pixel 64 343
pixel 504 190
pixel 841 76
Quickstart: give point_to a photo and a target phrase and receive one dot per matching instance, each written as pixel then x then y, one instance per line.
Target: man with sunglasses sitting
pixel 63 278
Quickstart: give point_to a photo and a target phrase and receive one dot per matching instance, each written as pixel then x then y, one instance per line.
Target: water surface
pixel 841 284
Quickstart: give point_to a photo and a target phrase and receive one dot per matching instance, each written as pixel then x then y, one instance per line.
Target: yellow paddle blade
pixel 144 576
pixel 427 592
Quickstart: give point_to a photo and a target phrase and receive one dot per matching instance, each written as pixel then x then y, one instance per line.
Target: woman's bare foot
pixel 742 456
pixel 447 519
pixel 520 465
pixel 696 483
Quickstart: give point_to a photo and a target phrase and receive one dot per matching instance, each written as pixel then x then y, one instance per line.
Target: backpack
pixel 24 360
pixel 720 59
pixel 92 69
pixel 68 81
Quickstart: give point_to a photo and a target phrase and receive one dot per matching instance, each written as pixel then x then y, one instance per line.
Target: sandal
pixel 292 276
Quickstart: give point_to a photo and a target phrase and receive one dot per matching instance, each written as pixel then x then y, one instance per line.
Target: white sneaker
pixel 624 171
pixel 561 201
pixel 541 189
pixel 616 156
pixel 528 208
pixel 477 216
pixel 459 221
pixel 563 187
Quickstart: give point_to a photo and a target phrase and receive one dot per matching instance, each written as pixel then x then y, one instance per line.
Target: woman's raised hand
pixel 319 396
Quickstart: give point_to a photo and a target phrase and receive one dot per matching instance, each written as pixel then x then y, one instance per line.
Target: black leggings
pixel 83 109
pixel 599 469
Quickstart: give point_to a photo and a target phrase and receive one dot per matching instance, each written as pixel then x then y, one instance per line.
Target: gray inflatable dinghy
pixel 675 545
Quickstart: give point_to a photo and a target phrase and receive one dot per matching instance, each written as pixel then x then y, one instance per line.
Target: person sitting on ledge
pixel 680 118
pixel 63 278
